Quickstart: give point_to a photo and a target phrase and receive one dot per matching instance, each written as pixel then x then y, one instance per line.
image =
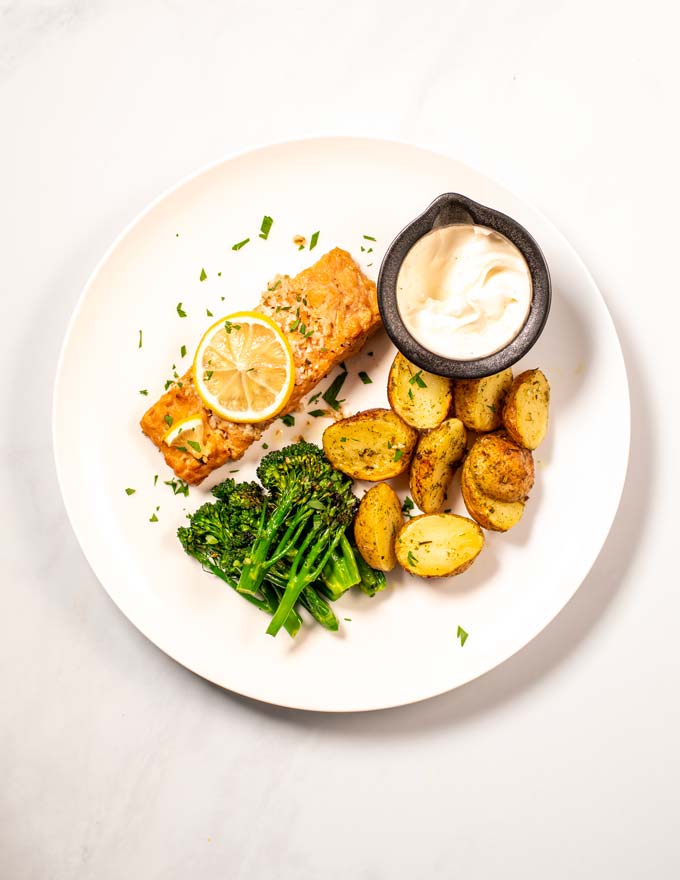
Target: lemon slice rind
pixel 256 370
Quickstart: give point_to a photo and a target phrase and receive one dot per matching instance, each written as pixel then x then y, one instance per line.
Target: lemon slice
pixel 244 369
pixel 187 435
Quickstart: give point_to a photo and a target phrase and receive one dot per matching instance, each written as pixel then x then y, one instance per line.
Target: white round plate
pixel 402 645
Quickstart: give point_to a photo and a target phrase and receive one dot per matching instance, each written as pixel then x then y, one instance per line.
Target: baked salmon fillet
pixel 337 302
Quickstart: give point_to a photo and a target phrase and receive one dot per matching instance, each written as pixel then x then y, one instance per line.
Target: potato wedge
pixel 501 468
pixel 525 414
pixel 421 399
pixel 438 544
pixel 376 524
pixel 372 445
pixel 436 458
pixel 497 516
pixel 479 402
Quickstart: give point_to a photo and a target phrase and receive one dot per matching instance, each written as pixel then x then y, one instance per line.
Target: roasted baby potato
pixel 377 522
pixel 479 402
pixel 497 516
pixel 437 455
pixel 438 544
pixel 501 468
pixel 525 414
pixel 422 399
pixel 372 445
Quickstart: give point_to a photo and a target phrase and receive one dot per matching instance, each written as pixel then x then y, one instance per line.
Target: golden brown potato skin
pixel 438 544
pixel 501 468
pixel 525 414
pixel 490 513
pixel 438 454
pixel 479 402
pixel 372 445
pixel 377 522
pixel 422 399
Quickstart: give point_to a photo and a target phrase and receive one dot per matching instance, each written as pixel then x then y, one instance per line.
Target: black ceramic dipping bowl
pixel 446 210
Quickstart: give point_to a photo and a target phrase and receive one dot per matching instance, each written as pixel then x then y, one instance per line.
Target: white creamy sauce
pixel 464 291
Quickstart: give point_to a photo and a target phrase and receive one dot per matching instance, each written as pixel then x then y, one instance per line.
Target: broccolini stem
pixel 262 604
pixel 320 610
pixel 273 596
pixel 253 572
pixel 290 538
pixel 308 572
pixel 372 580
pixel 268 604
pixel 341 571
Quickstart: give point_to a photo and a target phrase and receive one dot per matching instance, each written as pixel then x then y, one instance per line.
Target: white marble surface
pixel 115 762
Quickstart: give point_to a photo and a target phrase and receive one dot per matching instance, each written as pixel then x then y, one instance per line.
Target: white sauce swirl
pixel 464 291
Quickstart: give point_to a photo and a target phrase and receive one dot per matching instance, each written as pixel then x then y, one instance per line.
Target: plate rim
pixel 306 139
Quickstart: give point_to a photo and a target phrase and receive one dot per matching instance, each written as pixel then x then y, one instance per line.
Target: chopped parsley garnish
pixel 155 479
pixel 369 353
pixel 228 326
pixel 202 276
pixel 407 507
pixel 288 419
pixel 369 237
pixel 265 445
pixel 315 397
pixel 411 559
pixel 330 395
pixel 417 378
pixel 140 339
pixel 365 378
pixel 317 413
pixel 462 635
pixel 167 418
pixel 208 375
pixel 235 471
pixel 492 407
pixel 143 391
pixel 266 225
pixel 314 239
pixel 274 286
pixel 219 275
pixel 180 311
pixel 294 325
pixel 209 313
pixel 398 454
pixel 179 487
pixel 130 491
pixel 349 619
pixel 194 445
pixel 183 351
pixel 153 518
pixel 183 449
pixel 410 393
pixel 240 244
